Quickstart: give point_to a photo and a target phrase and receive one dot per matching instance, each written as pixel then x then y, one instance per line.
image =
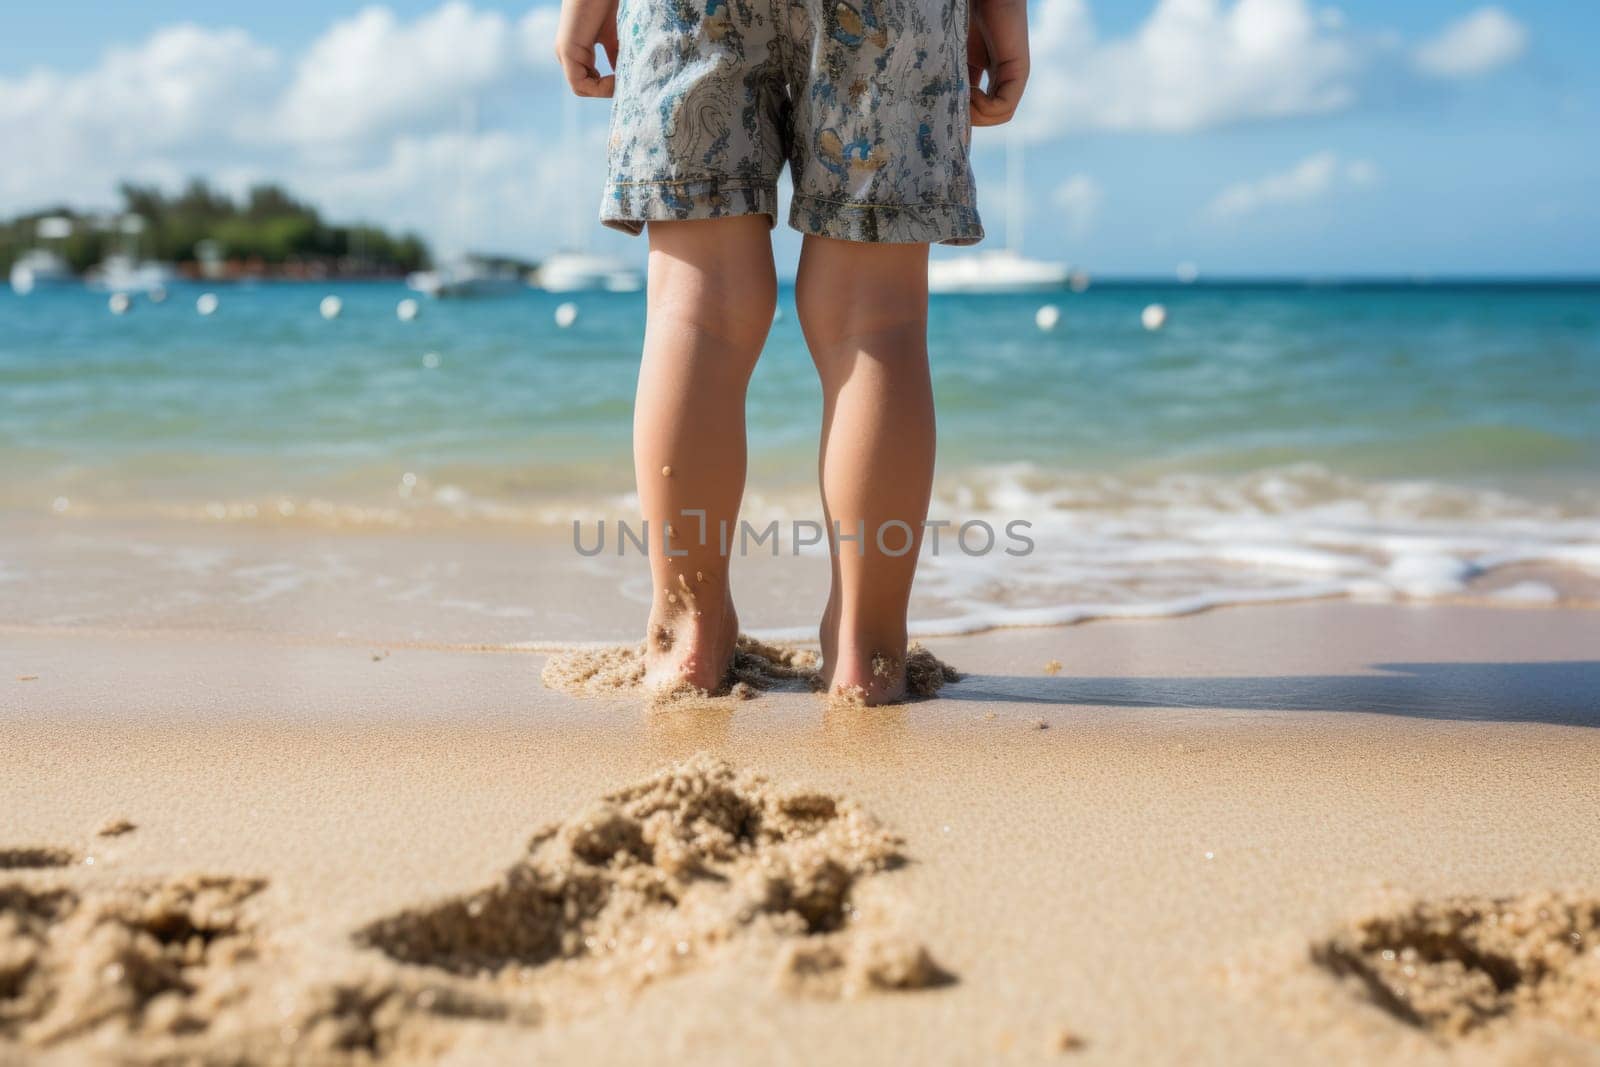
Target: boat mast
pixel 1015 189
pixel 469 128
pixel 577 239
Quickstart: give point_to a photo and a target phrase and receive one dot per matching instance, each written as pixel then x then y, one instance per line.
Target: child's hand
pixel 997 44
pixel 585 24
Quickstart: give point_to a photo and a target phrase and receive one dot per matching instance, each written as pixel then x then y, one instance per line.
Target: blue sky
pixel 1254 136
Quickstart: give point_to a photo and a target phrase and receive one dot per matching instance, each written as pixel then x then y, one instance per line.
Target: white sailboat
pixel 576 268
pixel 121 273
pixel 126 270
pixel 462 274
pixel 1006 270
pixel 39 268
pixel 572 272
pixel 42 267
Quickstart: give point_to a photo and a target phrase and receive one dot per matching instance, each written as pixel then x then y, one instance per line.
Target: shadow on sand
pixel 1565 693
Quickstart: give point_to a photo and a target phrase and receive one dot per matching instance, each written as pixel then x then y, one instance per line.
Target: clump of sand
pixel 142 959
pixel 1461 964
pixel 758 666
pixel 695 863
pixel 116 828
pixel 926 674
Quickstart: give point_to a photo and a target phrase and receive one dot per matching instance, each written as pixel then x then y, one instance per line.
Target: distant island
pixel 204 233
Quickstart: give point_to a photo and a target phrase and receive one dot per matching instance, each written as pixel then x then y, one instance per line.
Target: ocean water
pixel 1270 442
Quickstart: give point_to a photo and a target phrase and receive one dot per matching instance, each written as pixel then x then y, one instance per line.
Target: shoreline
pixel 787 637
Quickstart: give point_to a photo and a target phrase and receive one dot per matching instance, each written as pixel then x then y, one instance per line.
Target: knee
pixel 731 309
pixel 716 291
pixel 846 306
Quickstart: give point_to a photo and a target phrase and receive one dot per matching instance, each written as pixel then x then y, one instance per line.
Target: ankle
pixel 691 640
pixel 869 669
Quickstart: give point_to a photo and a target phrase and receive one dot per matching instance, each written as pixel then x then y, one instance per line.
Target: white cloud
pixel 365 120
pixel 136 114
pixel 1079 198
pixel 495 190
pixel 372 74
pixel 1312 179
pixel 536 37
pixel 1476 44
pixel 1191 64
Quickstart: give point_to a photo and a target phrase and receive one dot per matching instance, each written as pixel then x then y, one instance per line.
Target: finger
pixel 577 63
pixel 577 75
pixel 983 113
pixel 999 104
pixel 583 81
pixel 1005 29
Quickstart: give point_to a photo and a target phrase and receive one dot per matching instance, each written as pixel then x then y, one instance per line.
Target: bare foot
pixel 867 675
pixel 692 636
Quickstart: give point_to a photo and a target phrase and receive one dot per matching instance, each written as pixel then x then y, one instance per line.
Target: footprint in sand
pixel 154 958
pixel 698 863
pixel 172 971
pixel 1461 965
pixel 33 858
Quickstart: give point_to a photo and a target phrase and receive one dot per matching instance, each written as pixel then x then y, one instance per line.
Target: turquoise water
pixel 1482 386
pixel 252 468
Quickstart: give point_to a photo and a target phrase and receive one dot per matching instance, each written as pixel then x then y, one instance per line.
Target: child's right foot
pixel 868 676
pixel 692 637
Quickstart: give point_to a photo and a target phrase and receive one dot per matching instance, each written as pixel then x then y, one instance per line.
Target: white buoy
pixel 158 295
pixel 407 310
pixel 207 304
pixel 119 303
pixel 1047 317
pixel 331 307
pixel 566 314
pixel 1079 281
pixel 430 360
pixel 1154 317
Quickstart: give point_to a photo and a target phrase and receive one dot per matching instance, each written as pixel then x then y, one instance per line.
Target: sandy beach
pixel 1163 634
pixel 238 848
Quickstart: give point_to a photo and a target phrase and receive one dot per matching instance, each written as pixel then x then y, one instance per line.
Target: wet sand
pixel 1193 842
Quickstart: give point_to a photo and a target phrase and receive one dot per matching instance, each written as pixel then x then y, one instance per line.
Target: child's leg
pixel 864 309
pixel 712 290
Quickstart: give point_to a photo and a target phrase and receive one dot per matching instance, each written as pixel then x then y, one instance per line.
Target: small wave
pixel 1115 547
pixel 1103 546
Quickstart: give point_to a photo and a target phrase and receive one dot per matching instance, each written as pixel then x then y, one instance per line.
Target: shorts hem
pixel 629 205
pixel 930 222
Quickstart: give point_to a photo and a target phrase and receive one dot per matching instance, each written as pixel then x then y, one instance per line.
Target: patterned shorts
pixel 866 100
